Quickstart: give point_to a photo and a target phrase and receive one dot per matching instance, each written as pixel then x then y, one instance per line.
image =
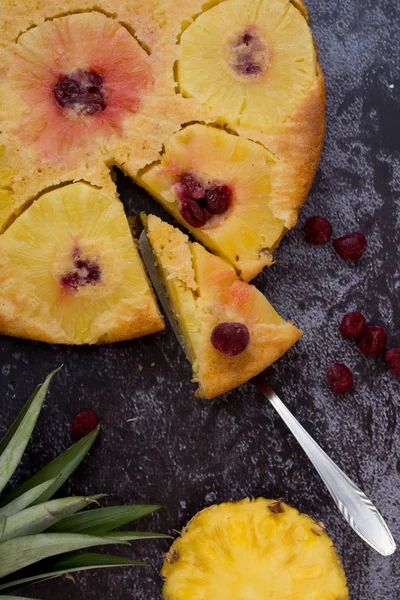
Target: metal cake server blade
pixel 359 512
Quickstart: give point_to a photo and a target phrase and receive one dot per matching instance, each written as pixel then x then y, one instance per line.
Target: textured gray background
pixel 186 453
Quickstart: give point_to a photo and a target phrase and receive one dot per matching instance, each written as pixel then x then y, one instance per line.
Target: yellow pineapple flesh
pixel 70 272
pixel 253 550
pixel 205 291
pixel 247 232
pixel 249 60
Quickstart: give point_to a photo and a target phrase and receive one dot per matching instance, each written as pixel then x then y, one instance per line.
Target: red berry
pixel 351 246
pixel 84 423
pixel 340 378
pixel 230 338
pixel 392 358
pixel 373 341
pixel 218 199
pixel 352 325
pixel 193 213
pixel 192 187
pixel 317 230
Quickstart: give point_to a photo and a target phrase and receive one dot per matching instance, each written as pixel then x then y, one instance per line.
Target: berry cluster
pixel 371 341
pixel 199 201
pixel 352 246
pixel 81 91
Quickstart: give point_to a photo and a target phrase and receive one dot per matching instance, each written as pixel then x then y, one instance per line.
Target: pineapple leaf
pixel 10 433
pixel 15 441
pixel 13 598
pixel 70 563
pixel 103 520
pixel 40 517
pixel 26 499
pixel 129 536
pixel 21 552
pixel 3 523
pixel 62 467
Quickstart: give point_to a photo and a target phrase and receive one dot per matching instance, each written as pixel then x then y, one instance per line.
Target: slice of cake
pixel 231 331
pixel 70 272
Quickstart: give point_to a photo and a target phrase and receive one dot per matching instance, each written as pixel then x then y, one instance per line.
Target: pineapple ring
pixel 90 52
pixel 246 234
pixel 71 274
pixel 256 549
pixel 250 62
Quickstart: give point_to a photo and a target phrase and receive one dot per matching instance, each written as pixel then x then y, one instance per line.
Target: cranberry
pixel 193 213
pixel 230 338
pixel 192 187
pixel 392 358
pixel 217 199
pixel 340 378
pixel 81 91
pixel 317 230
pixel 85 272
pixel 373 341
pixel 84 423
pixel 352 325
pixel 351 246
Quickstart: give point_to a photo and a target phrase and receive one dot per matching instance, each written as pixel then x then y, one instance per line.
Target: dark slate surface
pixel 186 453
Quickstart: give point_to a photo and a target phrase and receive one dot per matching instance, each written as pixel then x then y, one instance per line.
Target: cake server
pixel 359 512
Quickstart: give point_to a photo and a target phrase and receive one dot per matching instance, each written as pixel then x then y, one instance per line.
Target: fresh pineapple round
pixel 253 550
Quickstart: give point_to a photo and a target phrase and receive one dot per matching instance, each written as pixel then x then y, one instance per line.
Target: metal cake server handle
pixel 356 508
pixel 354 505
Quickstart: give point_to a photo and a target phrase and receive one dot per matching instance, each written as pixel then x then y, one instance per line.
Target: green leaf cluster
pixel 42 537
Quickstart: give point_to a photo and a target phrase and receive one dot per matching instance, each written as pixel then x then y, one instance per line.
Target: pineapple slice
pixel 70 272
pixel 231 331
pixel 246 230
pixel 251 61
pixel 253 549
pixel 74 81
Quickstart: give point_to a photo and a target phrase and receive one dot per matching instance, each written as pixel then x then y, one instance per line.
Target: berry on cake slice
pixel 73 81
pixel 231 331
pixel 250 61
pixel 70 272
pixel 218 185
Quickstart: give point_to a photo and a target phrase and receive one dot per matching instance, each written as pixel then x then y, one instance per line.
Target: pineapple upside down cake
pixel 217 109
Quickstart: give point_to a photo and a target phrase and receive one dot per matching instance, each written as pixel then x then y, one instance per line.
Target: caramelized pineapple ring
pixel 203 164
pixel 70 272
pixel 251 61
pixel 253 549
